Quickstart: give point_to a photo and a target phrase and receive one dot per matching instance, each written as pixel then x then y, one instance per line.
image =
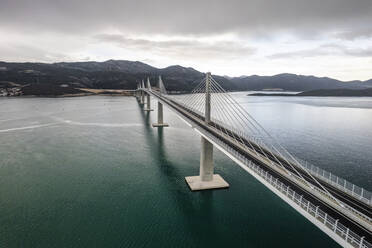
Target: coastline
pixel 87 92
pixel 324 93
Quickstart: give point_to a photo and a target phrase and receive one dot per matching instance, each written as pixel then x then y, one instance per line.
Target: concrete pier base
pixel 160 125
pixel 206 179
pixel 195 183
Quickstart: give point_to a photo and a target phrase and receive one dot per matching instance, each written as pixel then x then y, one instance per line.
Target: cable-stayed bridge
pixel 341 209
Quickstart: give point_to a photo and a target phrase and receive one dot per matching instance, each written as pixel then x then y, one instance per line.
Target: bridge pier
pixel 138 94
pixel 142 94
pixel 148 101
pixel 160 117
pixel 160 106
pixel 206 178
pixel 142 98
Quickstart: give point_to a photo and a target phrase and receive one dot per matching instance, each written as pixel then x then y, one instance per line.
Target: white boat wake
pixel 69 122
pixel 97 124
pixel 26 127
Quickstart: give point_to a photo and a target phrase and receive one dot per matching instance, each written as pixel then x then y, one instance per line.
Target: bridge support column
pixel 142 97
pixel 206 160
pixel 148 103
pixel 160 117
pixel 206 178
pixel 142 93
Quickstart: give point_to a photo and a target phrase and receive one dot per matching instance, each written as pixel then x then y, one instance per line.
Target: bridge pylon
pixel 148 101
pixel 206 179
pixel 160 122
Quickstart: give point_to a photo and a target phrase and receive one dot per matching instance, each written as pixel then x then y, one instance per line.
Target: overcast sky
pixel 228 37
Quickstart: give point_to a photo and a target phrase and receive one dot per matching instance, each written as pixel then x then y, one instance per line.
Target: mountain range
pixel 123 74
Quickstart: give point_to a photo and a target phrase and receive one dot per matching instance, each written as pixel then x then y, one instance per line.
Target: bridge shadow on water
pixel 196 207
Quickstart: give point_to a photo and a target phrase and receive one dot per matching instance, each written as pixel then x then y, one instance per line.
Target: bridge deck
pixel 249 153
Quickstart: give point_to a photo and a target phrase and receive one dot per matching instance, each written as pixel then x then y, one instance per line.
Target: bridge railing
pixel 328 221
pixel 322 217
pixel 338 182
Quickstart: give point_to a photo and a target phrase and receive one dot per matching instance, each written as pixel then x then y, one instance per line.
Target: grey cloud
pixel 361 52
pixel 192 17
pixel 181 48
pixel 19 52
pixel 355 33
pixel 324 50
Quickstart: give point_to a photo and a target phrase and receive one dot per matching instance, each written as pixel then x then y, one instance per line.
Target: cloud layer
pixel 325 50
pixel 185 17
pixel 229 37
pixel 181 48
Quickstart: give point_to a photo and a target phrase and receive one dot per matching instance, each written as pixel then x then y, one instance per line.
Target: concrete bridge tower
pixel 206 178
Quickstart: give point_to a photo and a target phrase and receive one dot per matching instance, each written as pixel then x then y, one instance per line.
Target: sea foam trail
pixel 97 124
pixel 27 127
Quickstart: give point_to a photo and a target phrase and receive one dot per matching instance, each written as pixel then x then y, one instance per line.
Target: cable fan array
pixel 231 119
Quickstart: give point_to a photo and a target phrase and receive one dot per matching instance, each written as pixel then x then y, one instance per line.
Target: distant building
pixel 15 91
pixel 3 92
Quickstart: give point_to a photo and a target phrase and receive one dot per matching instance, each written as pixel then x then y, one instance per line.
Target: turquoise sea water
pixel 92 172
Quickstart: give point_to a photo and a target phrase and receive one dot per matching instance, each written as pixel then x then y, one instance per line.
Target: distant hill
pixel 292 82
pixel 368 83
pixel 325 92
pixel 125 66
pixel 123 74
pixel 337 92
